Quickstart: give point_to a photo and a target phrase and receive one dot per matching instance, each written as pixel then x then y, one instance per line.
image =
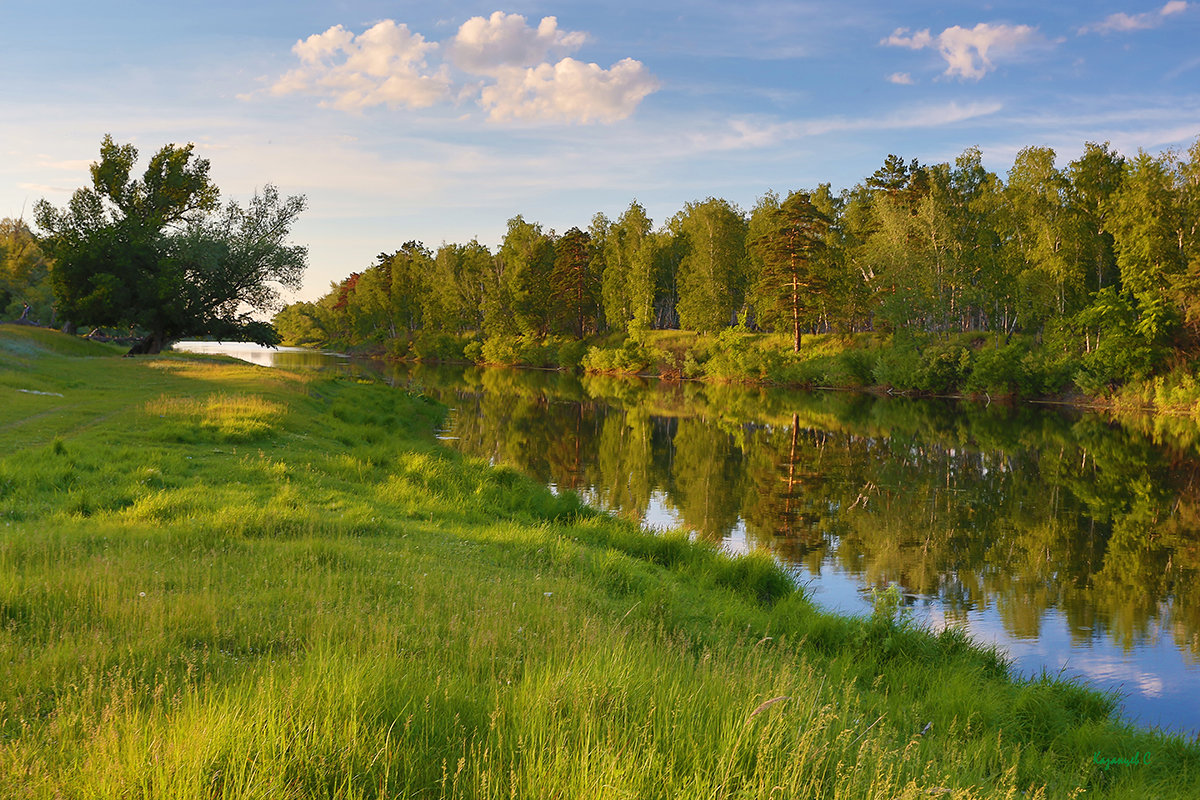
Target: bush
pixel 848 368
pixel 571 353
pixel 398 349
pixel 517 350
pixel 944 368
pixel 938 367
pixel 736 356
pixel 999 370
pixel 1117 360
pixel 629 357
pixel 898 365
pixel 429 346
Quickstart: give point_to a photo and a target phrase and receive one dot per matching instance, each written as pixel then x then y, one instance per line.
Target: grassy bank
pixel 218 580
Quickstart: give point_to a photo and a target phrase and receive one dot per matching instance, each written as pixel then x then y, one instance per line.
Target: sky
pixel 440 121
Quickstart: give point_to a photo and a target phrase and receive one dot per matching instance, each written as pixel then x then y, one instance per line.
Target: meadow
pixel 223 581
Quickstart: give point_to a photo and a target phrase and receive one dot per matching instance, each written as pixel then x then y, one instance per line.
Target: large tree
pixel 526 259
pixel 712 274
pixel 576 286
pixel 790 280
pixel 160 256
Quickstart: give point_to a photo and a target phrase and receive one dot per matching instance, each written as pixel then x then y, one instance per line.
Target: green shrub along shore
pixel 218 580
pixel 975 365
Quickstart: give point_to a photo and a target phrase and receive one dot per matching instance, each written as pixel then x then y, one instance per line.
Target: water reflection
pixel 285 357
pixel 1070 542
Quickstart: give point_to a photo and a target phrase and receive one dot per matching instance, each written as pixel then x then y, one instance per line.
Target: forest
pixel 932 277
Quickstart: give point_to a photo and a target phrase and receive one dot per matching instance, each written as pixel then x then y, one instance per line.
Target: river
pixel 1067 541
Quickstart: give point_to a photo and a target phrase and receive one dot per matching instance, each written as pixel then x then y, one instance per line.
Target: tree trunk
pixel 151 345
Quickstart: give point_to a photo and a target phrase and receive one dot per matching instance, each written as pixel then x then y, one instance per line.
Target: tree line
pixel 1104 251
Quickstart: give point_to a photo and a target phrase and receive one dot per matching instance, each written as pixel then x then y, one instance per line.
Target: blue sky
pixel 439 121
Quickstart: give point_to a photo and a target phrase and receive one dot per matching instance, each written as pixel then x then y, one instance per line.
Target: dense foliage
pixel 157 254
pixel 1097 260
pixel 24 274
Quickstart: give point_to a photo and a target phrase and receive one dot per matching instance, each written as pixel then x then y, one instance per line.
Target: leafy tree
pixel 387 298
pixel 974 197
pixel 712 274
pixel 1094 178
pixel 1185 286
pixel 630 279
pixel 457 292
pixel 299 324
pixel 24 272
pixel 761 219
pixel 526 260
pixel 157 254
pixel 1147 231
pixel 1044 236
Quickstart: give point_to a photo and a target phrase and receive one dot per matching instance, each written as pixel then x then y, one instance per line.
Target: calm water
pixel 1070 543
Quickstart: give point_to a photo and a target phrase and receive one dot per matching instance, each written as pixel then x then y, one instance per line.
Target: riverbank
pixel 976 366
pixel 216 579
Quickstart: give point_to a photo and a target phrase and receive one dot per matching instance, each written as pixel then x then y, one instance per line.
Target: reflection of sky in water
pixel 1155 682
pixel 263 356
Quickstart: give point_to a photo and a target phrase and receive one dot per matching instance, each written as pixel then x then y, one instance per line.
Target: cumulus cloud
pixel 570 91
pixel 1122 22
pixel 384 65
pixel 484 46
pixel 507 59
pixel 900 78
pixel 968 51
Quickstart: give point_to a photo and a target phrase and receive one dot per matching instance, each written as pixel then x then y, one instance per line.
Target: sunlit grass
pixel 225 417
pixel 337 607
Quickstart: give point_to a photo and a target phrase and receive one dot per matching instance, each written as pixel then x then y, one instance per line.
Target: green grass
pixel 218 580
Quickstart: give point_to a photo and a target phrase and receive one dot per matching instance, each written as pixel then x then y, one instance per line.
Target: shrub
pixel 429 346
pixel 629 357
pixel 1002 370
pixel 736 356
pixel 397 349
pixel 937 367
pixel 944 368
pixel 899 365
pixel 571 353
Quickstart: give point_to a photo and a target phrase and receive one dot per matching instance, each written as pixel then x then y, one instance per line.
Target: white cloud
pixel 749 134
pixel 70 165
pixel 484 46
pixel 968 51
pixel 389 65
pixel 44 188
pixel 1123 23
pixel 901 79
pixel 570 91
pixel 384 65
pixel 900 38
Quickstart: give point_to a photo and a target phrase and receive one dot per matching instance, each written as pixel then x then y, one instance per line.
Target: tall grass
pixel 336 607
